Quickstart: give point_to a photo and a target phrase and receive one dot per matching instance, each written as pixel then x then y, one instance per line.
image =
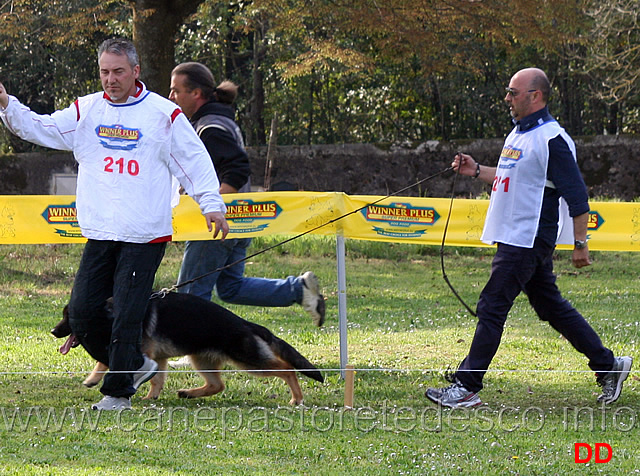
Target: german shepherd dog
pixel 179 324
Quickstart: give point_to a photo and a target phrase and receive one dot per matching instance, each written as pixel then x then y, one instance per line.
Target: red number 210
pixel 132 167
pixel 497 181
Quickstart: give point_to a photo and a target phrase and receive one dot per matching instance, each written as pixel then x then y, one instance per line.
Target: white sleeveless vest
pixel 518 188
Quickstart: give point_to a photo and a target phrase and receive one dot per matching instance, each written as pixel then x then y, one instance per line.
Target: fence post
pixel 342 303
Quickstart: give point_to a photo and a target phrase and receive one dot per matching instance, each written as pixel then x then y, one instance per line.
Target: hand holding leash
pixel 464 164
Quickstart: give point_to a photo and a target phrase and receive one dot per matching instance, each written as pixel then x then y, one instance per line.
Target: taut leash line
pixel 397 192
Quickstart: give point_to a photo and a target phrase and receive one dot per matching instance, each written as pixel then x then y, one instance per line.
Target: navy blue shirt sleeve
pixel 563 171
pixel 230 161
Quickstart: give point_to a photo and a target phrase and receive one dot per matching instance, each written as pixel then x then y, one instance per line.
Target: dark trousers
pixel 125 271
pixel 516 269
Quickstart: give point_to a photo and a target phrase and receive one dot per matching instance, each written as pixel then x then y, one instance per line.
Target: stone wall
pixel 33 173
pixel 608 165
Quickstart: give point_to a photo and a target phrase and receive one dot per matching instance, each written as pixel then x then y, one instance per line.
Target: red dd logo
pixel 590 452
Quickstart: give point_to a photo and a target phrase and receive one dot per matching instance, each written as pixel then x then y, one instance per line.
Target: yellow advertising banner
pixel 25 219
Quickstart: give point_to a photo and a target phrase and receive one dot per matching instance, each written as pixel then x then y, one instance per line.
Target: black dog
pixel 182 324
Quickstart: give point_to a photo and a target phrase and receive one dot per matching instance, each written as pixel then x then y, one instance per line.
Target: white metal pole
pixel 342 303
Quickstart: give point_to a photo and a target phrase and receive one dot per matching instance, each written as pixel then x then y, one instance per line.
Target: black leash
pixel 164 291
pixel 444 237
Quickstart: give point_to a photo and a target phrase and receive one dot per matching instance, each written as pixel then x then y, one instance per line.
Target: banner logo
pixel 118 137
pixel 595 221
pixel 401 214
pixel 63 215
pixel 246 212
pixel 511 153
pixel 408 221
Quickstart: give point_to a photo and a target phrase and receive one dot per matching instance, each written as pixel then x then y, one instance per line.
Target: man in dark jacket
pixel 209 108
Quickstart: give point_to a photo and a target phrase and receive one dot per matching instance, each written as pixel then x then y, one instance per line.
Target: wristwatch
pixel 580 244
pixel 477 174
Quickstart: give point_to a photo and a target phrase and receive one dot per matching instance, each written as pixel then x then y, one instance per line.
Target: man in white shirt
pixel 128 143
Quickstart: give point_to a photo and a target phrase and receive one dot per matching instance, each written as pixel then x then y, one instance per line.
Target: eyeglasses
pixel 515 93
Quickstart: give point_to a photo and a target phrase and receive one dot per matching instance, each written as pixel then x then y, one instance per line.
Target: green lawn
pixel 405 330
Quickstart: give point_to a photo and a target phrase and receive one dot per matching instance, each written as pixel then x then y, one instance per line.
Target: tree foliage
pixel 337 71
pixel 612 55
pixel 609 54
pixel 48 50
pixel 364 70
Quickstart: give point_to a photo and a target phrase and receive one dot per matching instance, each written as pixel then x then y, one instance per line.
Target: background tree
pixel 48 51
pixel 338 71
pixel 155 24
pixel 49 46
pixel 610 54
pixel 407 69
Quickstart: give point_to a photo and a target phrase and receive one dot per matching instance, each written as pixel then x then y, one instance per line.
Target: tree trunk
pixel 256 109
pixel 612 124
pixel 155 23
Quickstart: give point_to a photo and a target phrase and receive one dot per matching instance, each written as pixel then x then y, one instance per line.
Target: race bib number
pixel 121 166
pixel 501 182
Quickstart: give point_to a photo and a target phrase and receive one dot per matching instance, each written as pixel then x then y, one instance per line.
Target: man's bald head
pixel 536 79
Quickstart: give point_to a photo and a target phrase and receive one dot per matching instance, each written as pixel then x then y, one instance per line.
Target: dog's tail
pixel 290 355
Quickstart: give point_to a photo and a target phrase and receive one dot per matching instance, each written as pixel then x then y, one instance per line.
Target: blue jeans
pixel 201 257
pixel 513 270
pixel 124 271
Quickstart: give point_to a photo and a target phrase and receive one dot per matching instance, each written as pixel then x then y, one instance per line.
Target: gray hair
pixel 120 47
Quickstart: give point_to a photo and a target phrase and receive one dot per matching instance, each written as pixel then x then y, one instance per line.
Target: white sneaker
pixel 312 300
pixel 180 363
pixel 112 403
pixel 146 372
pixel 611 382
pixel 454 396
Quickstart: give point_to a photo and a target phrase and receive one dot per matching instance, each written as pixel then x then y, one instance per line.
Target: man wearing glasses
pixel 526 218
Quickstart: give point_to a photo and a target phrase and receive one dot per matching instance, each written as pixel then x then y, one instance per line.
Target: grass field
pixel 405 330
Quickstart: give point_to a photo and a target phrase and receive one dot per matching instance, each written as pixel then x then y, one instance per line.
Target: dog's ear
pixel 62 328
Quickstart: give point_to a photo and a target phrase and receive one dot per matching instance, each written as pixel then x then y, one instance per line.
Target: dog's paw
pixel 90 383
pixel 185 394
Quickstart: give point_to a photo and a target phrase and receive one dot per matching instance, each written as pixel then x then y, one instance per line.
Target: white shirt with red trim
pixel 127 154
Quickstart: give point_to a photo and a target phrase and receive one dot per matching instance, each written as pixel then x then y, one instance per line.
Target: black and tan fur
pixel 182 324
